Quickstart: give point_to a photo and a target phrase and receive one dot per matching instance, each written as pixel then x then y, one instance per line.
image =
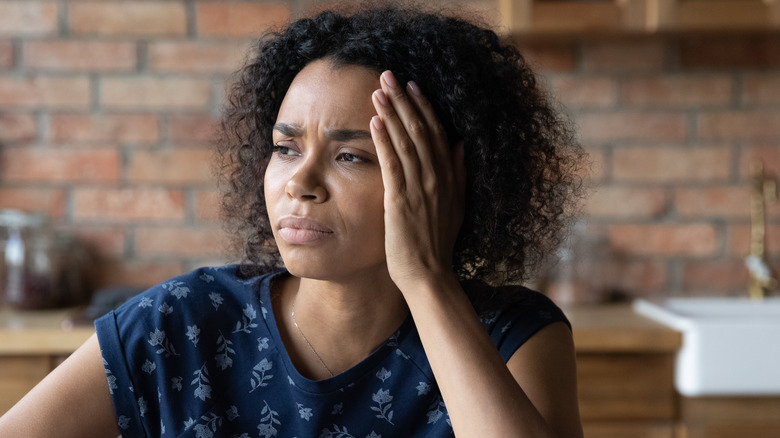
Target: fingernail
pixel 414 88
pixel 389 78
pixel 377 123
pixel 380 96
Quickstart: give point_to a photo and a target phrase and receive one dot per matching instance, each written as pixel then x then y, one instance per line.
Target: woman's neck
pixel 338 323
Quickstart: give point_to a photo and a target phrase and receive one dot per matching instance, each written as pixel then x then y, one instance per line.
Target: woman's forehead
pixel 338 96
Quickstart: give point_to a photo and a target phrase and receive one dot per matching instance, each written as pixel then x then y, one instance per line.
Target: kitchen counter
pixel 616 328
pixel 46 332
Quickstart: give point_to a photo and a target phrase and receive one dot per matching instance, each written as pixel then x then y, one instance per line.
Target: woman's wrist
pixel 434 284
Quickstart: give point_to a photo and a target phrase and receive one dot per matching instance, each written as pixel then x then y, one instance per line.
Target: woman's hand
pixel 424 183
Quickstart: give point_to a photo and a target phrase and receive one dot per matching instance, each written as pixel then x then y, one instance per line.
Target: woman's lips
pixel 298 230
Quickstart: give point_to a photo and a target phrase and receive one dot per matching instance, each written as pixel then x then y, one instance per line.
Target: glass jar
pixel 38 268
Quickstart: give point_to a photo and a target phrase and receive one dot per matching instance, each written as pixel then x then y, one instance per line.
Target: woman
pixel 406 169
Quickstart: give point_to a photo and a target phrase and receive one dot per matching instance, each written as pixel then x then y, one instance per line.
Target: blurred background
pixel 108 109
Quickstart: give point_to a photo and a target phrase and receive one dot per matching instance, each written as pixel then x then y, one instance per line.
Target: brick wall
pixel 673 124
pixel 107 110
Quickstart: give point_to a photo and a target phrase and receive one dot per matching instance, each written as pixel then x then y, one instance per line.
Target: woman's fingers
pixel 392 169
pixel 436 134
pixel 406 128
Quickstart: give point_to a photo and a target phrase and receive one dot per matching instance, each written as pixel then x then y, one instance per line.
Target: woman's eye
pixel 346 156
pixel 283 150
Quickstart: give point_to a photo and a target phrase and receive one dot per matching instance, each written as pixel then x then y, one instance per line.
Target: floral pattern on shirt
pixel 200 356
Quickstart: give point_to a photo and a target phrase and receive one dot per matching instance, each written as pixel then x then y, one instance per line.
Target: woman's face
pixel 323 185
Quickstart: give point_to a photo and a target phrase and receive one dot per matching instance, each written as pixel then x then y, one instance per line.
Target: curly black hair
pixel 522 159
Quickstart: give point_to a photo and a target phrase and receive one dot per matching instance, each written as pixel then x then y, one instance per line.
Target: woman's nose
pixel 306 184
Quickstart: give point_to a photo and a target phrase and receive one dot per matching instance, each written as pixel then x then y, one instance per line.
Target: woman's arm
pixel 72 401
pixel 534 395
pixel 545 368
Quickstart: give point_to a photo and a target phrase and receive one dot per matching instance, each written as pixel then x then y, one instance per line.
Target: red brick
pixel 41 91
pixel 635 126
pixel 105 241
pixel 714 202
pixel 28 18
pixel 678 91
pixel 761 89
pixel 739 240
pixel 208 206
pixel 17 127
pixel 605 277
pixel 698 239
pixel 193 128
pixel 549 57
pixel 768 156
pixel 7 55
pixel 579 92
pixel 715 277
pixel 176 241
pixel 86 56
pixel 740 125
pixel 186 166
pixel 624 56
pixel 48 201
pixel 626 202
pixel 239 18
pixel 155 93
pixel 669 164
pixel 634 277
pixel 139 273
pixel 59 165
pixel 136 18
pixel 122 128
pixel 196 57
pixel 128 204
pixel 731 51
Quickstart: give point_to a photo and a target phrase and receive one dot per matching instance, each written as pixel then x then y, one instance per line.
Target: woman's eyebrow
pixel 289 130
pixel 333 134
pixel 347 134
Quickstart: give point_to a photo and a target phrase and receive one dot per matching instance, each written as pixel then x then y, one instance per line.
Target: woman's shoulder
pixel 512 314
pixel 197 295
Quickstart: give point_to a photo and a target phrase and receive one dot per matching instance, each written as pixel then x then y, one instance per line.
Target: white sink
pixel 731 346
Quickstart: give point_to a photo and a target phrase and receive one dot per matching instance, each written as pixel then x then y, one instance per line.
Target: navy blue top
pixel 201 356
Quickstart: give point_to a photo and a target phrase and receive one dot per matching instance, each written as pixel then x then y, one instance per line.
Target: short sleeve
pixel 116 330
pixel 161 349
pixel 512 327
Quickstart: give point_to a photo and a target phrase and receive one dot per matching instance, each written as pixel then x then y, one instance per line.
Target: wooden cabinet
pixel 627 394
pixel 729 417
pixel 31 345
pixel 625 366
pixel 637 16
pixel 19 374
pixel 625 373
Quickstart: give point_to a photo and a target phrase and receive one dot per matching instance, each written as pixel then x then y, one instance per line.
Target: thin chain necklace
pixel 311 347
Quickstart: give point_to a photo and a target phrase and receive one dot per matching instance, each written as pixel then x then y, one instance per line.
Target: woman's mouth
pixel 298 230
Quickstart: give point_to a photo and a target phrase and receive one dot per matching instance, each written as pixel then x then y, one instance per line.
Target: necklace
pixel 311 347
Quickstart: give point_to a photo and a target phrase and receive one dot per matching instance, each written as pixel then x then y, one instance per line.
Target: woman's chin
pixel 332 269
pixel 309 268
